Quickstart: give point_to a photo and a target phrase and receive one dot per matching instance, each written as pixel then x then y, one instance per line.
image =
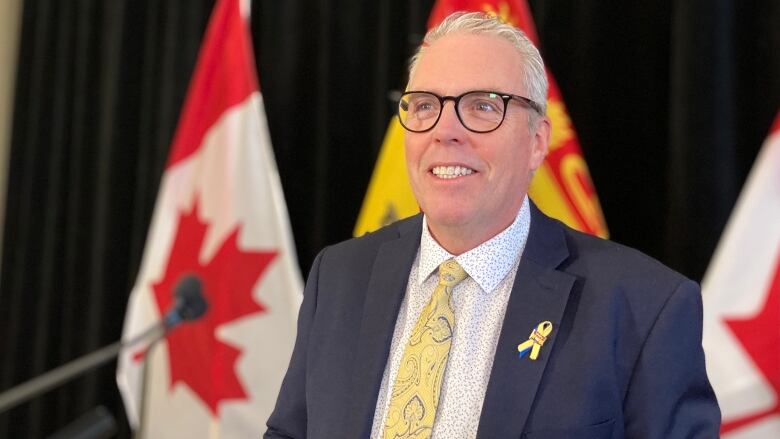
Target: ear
pixel 540 143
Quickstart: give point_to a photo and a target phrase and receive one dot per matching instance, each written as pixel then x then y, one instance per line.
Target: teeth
pixel 451 171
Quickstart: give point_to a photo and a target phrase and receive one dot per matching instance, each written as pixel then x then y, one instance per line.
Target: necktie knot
pixel 451 273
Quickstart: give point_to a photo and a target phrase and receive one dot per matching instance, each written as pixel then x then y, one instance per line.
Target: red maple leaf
pixel 760 336
pixel 196 357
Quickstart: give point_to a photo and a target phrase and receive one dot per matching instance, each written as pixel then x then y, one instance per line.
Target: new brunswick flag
pixel 562 187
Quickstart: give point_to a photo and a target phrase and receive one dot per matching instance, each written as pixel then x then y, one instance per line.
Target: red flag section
pixel 225 58
pixel 229 297
pixel 741 292
pixel 760 336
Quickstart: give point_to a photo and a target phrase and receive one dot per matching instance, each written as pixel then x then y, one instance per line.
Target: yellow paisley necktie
pixel 415 395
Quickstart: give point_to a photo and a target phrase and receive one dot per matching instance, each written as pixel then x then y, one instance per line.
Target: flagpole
pixel 139 432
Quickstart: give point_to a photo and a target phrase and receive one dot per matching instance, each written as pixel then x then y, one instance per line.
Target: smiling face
pixel 471 185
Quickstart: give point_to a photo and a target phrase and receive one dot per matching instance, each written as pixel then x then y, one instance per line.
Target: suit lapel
pixel 540 292
pixel 386 290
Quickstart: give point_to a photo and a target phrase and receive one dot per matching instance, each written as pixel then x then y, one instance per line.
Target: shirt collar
pixel 489 262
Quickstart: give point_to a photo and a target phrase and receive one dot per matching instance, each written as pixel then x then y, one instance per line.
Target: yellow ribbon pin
pixel 535 340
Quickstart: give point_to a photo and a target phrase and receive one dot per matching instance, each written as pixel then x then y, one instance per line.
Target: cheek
pixel 511 158
pixel 511 167
pixel 413 156
pixel 412 151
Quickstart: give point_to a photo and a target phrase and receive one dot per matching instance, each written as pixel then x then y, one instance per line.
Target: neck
pixel 460 239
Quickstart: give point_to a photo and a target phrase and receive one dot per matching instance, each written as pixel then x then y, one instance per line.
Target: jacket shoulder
pixel 599 255
pixel 601 262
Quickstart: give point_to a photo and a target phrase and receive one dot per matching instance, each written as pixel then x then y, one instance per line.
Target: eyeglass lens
pixel 477 111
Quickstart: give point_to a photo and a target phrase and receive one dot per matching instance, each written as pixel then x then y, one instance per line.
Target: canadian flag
pixel 220 214
pixel 741 293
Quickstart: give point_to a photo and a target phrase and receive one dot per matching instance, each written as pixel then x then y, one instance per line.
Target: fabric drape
pixel 99 88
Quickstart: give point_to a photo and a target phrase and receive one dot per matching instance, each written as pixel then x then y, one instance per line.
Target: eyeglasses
pixel 479 111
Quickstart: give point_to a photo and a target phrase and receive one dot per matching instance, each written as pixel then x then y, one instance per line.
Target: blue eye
pixel 423 106
pixel 484 106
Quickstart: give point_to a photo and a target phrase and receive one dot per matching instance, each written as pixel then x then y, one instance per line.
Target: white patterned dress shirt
pixel 479 303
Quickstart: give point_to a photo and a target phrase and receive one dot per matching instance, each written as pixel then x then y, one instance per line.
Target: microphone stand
pixel 53 378
pixel 190 305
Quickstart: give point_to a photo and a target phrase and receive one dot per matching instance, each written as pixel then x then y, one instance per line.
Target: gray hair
pixel 534 76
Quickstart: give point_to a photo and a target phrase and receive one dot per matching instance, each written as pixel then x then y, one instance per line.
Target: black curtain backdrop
pixel 671 101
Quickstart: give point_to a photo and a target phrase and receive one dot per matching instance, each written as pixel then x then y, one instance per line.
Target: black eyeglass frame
pixel 506 97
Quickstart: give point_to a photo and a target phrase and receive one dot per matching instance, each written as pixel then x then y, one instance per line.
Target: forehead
pixel 460 62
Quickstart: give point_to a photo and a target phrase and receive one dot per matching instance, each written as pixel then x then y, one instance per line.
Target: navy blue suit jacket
pixel 624 358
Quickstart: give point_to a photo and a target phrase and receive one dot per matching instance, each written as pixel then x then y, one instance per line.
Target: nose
pixel 449 129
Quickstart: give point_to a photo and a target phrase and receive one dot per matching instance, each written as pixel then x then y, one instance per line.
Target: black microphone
pixel 189 302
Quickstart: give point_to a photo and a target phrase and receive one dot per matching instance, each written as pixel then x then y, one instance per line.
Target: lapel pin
pixel 535 340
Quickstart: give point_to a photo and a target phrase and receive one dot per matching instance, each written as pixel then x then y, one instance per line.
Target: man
pixel 421 329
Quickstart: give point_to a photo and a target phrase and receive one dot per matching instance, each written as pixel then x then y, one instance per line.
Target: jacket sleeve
pixel 669 395
pixel 289 418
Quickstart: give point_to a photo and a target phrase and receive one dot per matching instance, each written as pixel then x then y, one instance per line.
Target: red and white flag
pixel 221 214
pixel 741 293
